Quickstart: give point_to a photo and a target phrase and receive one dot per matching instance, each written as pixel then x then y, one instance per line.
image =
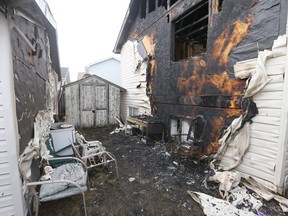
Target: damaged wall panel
pixel 133 79
pixel 205 84
pixel 30 73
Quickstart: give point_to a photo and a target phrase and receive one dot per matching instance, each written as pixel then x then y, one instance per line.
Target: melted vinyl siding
pixel 261 159
pixel 130 78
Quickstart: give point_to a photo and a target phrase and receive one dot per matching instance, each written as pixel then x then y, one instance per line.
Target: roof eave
pixel 126 25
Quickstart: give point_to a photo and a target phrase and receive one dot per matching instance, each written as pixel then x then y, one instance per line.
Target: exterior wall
pixel 30 74
pixel 72 108
pixel 131 78
pixel 205 84
pixel 114 104
pixel 92 102
pixel 108 69
pixel 265 155
pixel 11 200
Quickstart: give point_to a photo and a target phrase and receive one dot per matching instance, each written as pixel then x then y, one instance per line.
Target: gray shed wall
pixel 92 102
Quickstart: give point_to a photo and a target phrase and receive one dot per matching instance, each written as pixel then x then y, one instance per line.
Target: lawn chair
pixel 67 178
pixel 93 153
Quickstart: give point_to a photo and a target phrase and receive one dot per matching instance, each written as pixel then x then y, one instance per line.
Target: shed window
pixel 132 111
pixel 191 32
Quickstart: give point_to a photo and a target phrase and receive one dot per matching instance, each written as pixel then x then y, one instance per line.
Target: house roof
pixel 126 25
pixel 97 77
pixel 39 10
pixel 103 60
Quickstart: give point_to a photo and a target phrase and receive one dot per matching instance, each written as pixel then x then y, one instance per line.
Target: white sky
pixel 87 30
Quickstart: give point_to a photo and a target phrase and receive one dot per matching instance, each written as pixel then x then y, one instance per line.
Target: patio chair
pixel 67 177
pixel 93 153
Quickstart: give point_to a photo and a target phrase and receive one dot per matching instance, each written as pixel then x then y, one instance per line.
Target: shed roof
pixel 97 77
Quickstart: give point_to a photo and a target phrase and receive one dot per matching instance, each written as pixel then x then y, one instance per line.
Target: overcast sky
pixel 87 30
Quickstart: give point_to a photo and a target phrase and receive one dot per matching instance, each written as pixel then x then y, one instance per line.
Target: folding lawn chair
pixel 93 153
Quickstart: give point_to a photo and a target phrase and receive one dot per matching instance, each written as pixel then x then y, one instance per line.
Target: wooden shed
pixel 92 102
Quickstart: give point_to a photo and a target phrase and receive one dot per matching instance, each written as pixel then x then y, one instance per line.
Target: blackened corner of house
pixel 194 61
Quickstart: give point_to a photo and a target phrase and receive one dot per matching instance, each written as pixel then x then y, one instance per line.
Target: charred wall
pixel 30 73
pixel 205 84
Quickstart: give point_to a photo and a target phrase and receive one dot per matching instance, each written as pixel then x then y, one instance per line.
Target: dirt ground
pixel 150 182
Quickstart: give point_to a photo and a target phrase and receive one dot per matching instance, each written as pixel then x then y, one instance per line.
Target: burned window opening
pixel 162 3
pixel 151 5
pixel 168 18
pixel 190 36
pixel 143 9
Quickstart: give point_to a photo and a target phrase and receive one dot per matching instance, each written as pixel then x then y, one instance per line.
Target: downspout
pixel 10 119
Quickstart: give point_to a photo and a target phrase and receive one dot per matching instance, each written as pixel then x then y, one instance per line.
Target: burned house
pixel 192 55
pixel 30 72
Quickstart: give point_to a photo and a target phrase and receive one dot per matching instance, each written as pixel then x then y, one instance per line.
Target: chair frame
pixel 33 184
pixel 102 154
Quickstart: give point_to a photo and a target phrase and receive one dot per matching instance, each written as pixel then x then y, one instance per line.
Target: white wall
pixel 11 199
pixel 131 78
pixel 108 69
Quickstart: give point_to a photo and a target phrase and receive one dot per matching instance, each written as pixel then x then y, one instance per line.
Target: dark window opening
pixel 162 3
pixel 191 32
pixel 220 2
pixel 143 8
pixel 172 2
pixel 151 5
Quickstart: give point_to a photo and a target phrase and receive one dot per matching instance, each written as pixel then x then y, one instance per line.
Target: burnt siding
pixel 30 74
pixel 266 26
pixel 206 84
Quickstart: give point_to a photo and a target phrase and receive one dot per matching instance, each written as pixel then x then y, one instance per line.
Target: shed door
pixel 93 105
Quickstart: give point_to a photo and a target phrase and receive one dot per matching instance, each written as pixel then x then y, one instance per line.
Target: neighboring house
pixel 80 75
pixel 108 68
pixel 30 71
pixel 65 79
pixel 92 102
pixel 65 75
pixel 183 54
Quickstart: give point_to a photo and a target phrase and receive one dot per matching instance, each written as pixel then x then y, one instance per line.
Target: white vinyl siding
pixel 267 152
pixel 11 199
pixel 130 79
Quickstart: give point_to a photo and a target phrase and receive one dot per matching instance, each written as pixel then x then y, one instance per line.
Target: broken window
pixel 191 32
